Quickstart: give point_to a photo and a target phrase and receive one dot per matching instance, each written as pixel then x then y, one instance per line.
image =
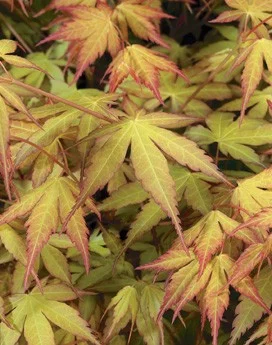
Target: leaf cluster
pixel 135 172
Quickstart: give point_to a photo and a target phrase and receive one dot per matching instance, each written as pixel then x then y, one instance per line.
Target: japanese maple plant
pixel 136 176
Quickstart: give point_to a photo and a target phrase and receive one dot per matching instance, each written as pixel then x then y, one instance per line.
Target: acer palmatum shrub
pixel 136 177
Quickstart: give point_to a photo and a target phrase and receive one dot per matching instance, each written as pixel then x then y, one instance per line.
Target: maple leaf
pixel 253 193
pixel 255 254
pixel 44 217
pixel 211 50
pixel 15 245
pixel 253 55
pixel 257 105
pixel 210 288
pixel 151 297
pixel 37 77
pixel 59 118
pixel 141 19
pixel 216 296
pixel 184 284
pixel 141 131
pixel 247 312
pixel 11 96
pixel 264 331
pixel 125 304
pixel 233 139
pixel 188 185
pixel 138 304
pixel 143 65
pixel 173 259
pixel 245 10
pixel 261 220
pixel 207 235
pixel 31 313
pixel 175 91
pixel 43 161
pixel 54 261
pixel 7 48
pixel 181 55
pixel 91 32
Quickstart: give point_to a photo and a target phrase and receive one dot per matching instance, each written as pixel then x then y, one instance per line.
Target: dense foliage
pixel 136 177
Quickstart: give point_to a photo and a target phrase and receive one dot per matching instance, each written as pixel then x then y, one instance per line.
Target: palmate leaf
pixel 141 18
pixel 261 220
pixel 210 288
pixel 247 312
pixel 254 255
pixel 124 304
pixel 32 314
pixel 148 140
pixel 233 139
pixel 253 55
pixel 253 193
pixel 59 118
pixel 54 261
pixel 9 98
pixel 46 63
pixel 136 304
pixel 215 299
pixel 185 285
pixel 180 54
pixel 227 40
pixel 93 30
pixel 151 297
pixel 257 106
pixel 7 48
pixel 207 236
pixel 245 10
pixel 45 218
pixel 264 331
pixel 143 65
pixel 189 185
pixel 43 164
pixel 90 31
pixel 175 91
